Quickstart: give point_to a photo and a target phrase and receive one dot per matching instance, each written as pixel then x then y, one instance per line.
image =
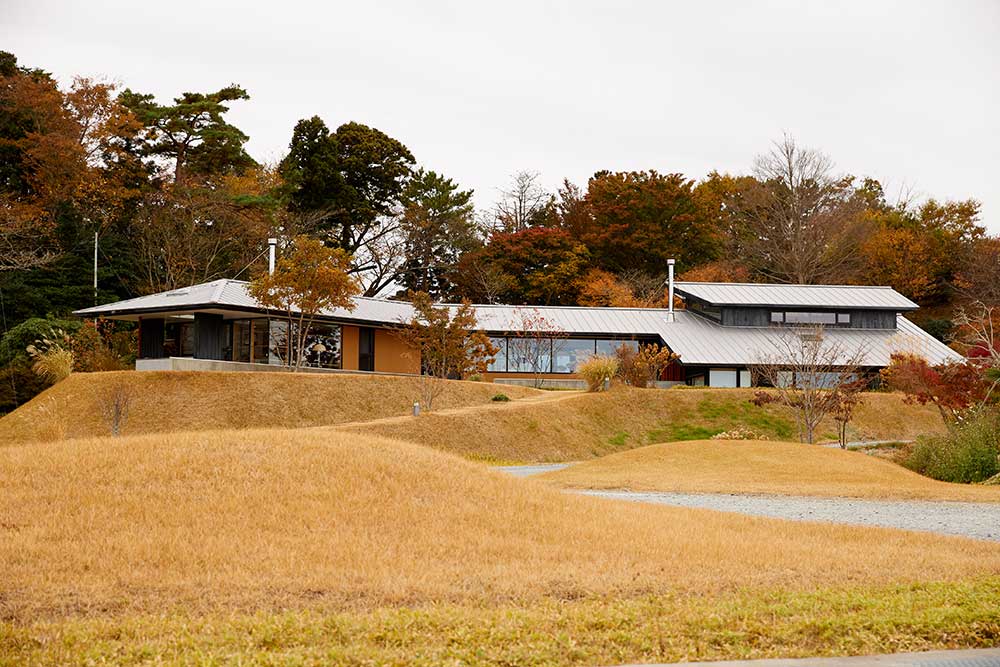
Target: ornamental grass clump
pixel 52 357
pixel 598 369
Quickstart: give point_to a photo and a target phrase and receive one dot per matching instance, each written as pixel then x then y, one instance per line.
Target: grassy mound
pixel 266 520
pixel 733 466
pixel 192 401
pixel 584 426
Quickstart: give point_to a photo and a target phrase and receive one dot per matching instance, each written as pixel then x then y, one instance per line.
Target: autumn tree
pixel 952 387
pixel 448 342
pixel 921 251
pixel 540 265
pixel 799 223
pixel 641 367
pixel 630 289
pixel 808 372
pixel 639 220
pixel 307 281
pixel 436 227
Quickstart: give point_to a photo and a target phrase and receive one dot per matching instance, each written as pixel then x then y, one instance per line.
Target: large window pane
pixel 322 348
pixel 609 347
pixel 178 339
pixel 499 363
pixel 261 331
pixel 810 318
pixel 241 340
pixel 569 353
pixel 529 355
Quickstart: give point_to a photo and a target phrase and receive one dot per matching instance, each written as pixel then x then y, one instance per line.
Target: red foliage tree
pixel 952 387
pixel 539 265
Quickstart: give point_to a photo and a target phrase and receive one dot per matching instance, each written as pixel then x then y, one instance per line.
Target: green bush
pixel 500 398
pixel 14 345
pixel 967 454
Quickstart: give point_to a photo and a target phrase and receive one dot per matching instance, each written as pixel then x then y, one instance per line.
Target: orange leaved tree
pixel 448 342
pixel 308 280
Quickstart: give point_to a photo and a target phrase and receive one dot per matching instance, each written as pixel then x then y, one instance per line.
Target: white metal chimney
pixel 670 290
pixel 272 245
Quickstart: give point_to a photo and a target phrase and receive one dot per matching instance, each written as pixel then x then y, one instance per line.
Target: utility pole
pixel 95 269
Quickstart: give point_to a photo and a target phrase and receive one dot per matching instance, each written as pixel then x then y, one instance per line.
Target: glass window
pixel 178 339
pixel 241 340
pixel 277 340
pixel 609 347
pixel 499 363
pixel 777 317
pixel 569 353
pixel 722 377
pixel 322 347
pixel 844 319
pixel 261 329
pixel 792 317
pixel 529 355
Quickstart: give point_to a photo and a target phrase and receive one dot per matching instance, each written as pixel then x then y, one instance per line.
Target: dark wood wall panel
pixel 209 336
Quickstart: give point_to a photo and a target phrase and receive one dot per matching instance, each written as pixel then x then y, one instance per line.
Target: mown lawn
pixel 666 628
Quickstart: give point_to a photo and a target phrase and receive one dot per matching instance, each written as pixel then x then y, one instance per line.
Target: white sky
pixel 907 92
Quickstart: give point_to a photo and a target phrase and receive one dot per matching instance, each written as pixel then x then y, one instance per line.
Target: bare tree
pixel 535 342
pixel 799 222
pixel 978 329
pixel 810 375
pixel 115 402
pixel 522 204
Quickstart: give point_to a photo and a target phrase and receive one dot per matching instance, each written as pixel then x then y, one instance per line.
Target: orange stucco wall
pixel 349 343
pixel 392 355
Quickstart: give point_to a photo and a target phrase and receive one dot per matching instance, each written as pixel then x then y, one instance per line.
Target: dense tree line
pixel 172 198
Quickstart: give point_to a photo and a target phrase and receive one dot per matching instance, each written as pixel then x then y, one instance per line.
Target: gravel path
pixel 529 470
pixel 976 520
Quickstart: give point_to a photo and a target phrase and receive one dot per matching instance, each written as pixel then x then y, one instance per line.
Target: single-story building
pixel 723 330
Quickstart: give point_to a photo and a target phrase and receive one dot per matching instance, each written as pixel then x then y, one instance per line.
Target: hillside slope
pixel 192 401
pixel 280 519
pixel 585 426
pixel 784 468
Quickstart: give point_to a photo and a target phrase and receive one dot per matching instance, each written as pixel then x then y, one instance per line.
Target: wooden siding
pixel 209 336
pixel 151 338
pixel 746 317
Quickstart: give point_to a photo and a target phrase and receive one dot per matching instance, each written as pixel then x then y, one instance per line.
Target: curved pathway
pixel 977 520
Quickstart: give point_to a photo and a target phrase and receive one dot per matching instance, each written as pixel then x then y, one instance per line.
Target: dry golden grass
pixel 761 467
pixel 583 426
pixel 258 519
pixel 195 401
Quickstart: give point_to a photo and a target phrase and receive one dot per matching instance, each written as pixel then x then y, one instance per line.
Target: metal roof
pixel 699 340
pixel 228 294
pixel 696 339
pixel 796 296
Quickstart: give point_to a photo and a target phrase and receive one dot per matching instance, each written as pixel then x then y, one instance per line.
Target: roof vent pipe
pixel 272 245
pixel 670 290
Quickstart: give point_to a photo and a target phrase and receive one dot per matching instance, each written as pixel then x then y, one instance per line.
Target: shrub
pixel 596 370
pixel 966 454
pixel 738 433
pixel 642 367
pixel 15 342
pixel 500 398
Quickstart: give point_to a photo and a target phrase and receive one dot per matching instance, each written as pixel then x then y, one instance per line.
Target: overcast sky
pixel 907 92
